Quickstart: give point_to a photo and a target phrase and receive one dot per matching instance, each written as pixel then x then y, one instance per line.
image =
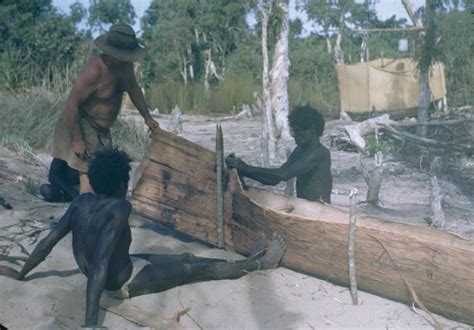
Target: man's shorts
pixel 95 137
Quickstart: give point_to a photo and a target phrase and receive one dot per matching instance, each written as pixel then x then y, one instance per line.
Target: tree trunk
pixel 279 77
pixel 425 94
pixel 268 131
pixel 338 54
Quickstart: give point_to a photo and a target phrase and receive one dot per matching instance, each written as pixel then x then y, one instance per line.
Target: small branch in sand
pixel 177 316
pixel 187 312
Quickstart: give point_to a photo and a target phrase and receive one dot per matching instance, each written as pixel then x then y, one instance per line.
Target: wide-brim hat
pixel 120 42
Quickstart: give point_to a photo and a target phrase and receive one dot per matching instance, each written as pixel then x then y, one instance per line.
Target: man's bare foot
pixel 274 254
pixel 259 246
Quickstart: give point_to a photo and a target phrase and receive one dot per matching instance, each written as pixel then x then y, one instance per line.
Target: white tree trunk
pixel 279 76
pixel 268 134
pixel 210 68
pixel 338 54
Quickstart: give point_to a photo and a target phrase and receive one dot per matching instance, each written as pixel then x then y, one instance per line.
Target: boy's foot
pixel 259 246
pixel 274 254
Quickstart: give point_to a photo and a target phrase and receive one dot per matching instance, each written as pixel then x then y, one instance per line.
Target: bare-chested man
pixel 94 104
pixel 101 239
pixel 310 162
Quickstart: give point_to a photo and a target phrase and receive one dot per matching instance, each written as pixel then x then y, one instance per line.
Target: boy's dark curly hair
pixel 108 171
pixel 304 117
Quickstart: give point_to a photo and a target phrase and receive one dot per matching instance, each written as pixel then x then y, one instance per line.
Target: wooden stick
pixel 351 248
pixel 388 29
pixel 426 141
pixel 220 186
pixel 435 122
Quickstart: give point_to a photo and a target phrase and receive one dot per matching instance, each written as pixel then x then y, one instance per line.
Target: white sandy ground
pixel 271 299
pixel 54 295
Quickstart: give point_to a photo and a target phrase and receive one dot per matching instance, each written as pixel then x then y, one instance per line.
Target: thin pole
pixel 219 186
pixel 351 248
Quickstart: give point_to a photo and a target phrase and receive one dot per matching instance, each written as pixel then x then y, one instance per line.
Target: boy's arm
pixel 138 100
pixel 109 236
pixel 293 167
pixel 45 246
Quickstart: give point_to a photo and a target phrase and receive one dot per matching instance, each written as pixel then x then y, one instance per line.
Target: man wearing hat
pixel 92 108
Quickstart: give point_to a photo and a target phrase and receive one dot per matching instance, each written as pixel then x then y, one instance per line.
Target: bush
pixel 28 123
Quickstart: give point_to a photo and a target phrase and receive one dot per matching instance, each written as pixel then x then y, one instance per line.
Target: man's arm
pixel 45 246
pixel 84 86
pixel 109 236
pixel 138 100
pixel 294 166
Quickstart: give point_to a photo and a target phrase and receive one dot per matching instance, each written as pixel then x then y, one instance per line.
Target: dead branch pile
pixel 448 135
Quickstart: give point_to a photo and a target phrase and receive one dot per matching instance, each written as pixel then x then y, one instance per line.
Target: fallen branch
pixel 429 142
pixel 434 123
pixel 187 313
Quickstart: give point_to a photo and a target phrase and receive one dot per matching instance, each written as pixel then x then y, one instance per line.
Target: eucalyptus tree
pixel 37 43
pixel 191 39
pixel 107 12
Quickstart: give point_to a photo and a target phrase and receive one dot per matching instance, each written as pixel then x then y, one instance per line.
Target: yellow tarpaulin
pixel 385 84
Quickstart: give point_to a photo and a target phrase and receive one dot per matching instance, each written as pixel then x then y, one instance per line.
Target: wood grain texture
pixel 177 188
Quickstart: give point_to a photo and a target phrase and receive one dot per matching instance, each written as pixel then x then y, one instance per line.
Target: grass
pixel 228 96
pixel 28 122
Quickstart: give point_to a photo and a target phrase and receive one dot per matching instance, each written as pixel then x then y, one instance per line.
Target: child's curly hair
pixel 304 116
pixel 108 171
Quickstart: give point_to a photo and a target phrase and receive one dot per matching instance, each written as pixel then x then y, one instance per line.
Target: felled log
pixel 398 261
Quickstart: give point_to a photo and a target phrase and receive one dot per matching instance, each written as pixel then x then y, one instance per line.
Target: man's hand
pixel 234 162
pixel 153 125
pixel 80 149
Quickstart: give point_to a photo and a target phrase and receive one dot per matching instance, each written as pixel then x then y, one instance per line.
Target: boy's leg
pixel 156 278
pixel 258 248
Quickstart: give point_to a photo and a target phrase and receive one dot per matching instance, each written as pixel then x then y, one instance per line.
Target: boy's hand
pixel 234 162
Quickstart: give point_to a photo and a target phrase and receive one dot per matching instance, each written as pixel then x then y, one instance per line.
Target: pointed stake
pixel 220 186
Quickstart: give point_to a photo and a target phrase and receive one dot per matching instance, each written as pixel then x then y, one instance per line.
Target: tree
pixel 280 73
pixel 191 39
pixel 106 12
pixel 39 43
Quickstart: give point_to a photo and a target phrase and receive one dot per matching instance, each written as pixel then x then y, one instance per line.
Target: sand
pixel 53 295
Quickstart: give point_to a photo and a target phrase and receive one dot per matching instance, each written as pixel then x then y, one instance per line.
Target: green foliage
pixel 107 12
pixel 386 146
pixel 41 47
pixel 29 120
pixel 38 44
pixel 130 138
pixel 230 94
pixel 31 187
pixel 457 45
pixel 179 33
